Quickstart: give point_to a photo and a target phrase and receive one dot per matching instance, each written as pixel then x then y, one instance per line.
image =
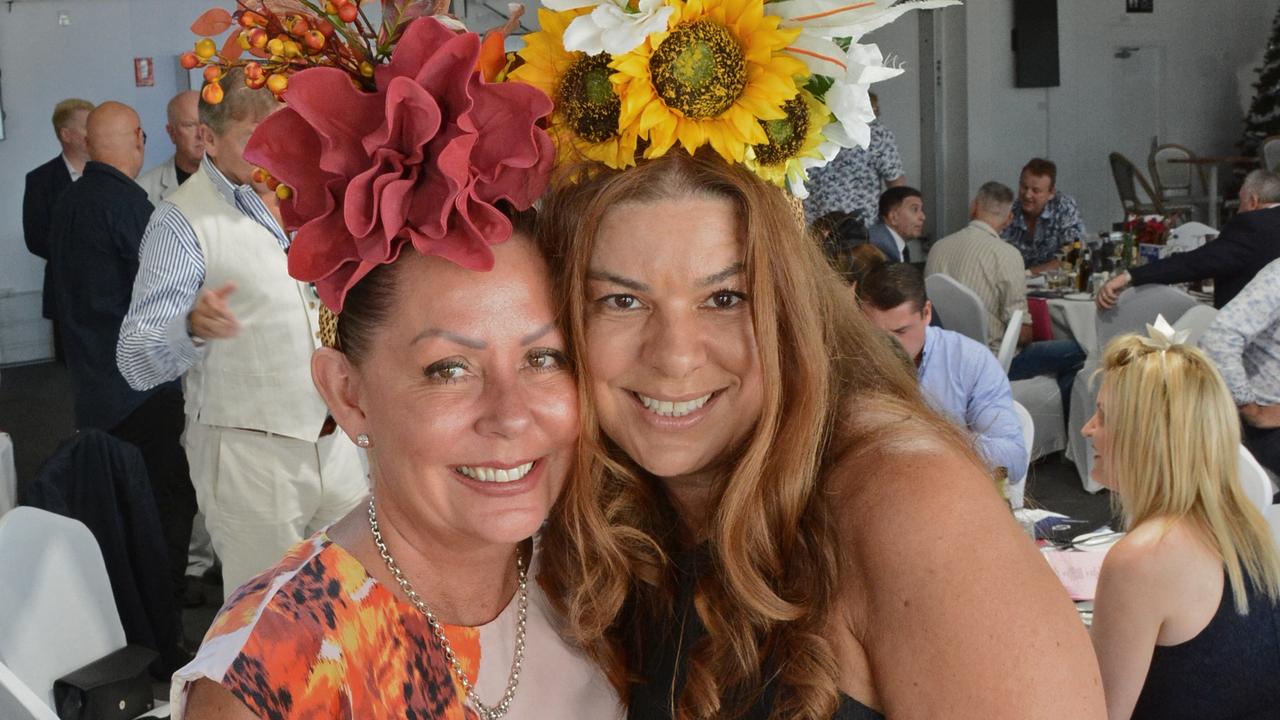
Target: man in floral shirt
pixel 1244 342
pixel 852 181
pixel 1043 219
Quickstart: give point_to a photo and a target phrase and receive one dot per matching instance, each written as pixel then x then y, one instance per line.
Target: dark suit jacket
pixel 102 482
pixel 93 244
pixel 882 238
pixel 1245 245
pixel 44 185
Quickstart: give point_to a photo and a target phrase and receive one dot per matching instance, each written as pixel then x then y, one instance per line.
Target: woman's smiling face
pixel 671 352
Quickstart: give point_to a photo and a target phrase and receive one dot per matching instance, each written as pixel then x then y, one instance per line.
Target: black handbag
pixel 116 687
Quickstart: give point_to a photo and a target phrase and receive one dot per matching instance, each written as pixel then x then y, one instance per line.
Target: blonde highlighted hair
pixel 1173 453
pixel 766 591
pixel 63 111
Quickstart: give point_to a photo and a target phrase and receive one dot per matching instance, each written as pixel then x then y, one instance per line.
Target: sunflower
pixel 584 123
pixel 791 140
pixel 711 78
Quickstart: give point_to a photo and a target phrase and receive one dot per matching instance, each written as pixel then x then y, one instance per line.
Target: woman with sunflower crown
pixel 767 521
pixel 409 177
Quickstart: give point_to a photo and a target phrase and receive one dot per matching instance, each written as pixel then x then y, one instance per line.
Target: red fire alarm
pixel 144 72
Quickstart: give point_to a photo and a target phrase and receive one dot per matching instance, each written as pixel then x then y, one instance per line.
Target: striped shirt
pixel 1244 340
pixel 154 346
pixel 977 258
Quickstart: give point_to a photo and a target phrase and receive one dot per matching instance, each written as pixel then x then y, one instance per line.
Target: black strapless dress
pixel 664 674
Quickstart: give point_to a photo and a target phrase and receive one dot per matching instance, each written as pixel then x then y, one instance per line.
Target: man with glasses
pixel 94 248
pixel 188 144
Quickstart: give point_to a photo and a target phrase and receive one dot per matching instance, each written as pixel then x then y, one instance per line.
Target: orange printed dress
pixel 317 637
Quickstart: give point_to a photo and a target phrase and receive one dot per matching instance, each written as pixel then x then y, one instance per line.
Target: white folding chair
pixel 57 613
pixel 1254 480
pixel 1009 343
pixel 1017 493
pixel 1196 321
pixel 959 308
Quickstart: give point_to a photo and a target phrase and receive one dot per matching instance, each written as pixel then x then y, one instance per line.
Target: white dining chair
pixel 1009 343
pixel 1017 493
pixel 1254 480
pixel 959 308
pixel 1195 321
pixel 19 702
pixel 1272 514
pixel 1041 398
pixel 57 613
pixel 1138 306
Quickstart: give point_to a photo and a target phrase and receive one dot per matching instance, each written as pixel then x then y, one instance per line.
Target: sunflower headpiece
pixel 778 86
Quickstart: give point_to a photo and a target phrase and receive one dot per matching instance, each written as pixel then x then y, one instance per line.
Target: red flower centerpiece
pixel 425 158
pixel 1148 230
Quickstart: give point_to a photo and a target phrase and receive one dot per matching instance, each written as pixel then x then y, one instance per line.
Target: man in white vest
pixel 184 130
pixel 213 300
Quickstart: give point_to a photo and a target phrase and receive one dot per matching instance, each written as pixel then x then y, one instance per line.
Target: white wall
pixel 1099 106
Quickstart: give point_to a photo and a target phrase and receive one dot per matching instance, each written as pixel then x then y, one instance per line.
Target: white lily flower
pixel 847 18
pixel 850 103
pixel 853 71
pixel 798 175
pixel 612 26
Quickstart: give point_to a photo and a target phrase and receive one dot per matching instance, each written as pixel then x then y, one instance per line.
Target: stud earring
pixel 362 440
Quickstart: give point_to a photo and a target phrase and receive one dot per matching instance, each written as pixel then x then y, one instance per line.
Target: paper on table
pixel 1077 571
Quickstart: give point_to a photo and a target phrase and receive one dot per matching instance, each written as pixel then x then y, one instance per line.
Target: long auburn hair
pixel 1173 454
pixel 767 592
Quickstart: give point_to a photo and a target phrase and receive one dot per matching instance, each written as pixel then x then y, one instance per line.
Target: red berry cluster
pixel 335 34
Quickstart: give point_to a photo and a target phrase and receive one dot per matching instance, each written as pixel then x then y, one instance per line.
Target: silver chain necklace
pixel 522 608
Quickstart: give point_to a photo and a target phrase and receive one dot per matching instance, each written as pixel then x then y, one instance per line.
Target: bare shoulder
pixel 207 700
pixel 939 582
pixel 1157 560
pixel 896 467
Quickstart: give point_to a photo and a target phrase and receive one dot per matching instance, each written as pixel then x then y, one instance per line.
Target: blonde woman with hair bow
pixel 1186 623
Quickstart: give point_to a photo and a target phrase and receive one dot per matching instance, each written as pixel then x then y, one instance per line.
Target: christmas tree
pixel 1263 119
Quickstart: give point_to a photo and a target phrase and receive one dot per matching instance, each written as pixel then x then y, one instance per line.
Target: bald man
pixel 94 245
pixel 188 143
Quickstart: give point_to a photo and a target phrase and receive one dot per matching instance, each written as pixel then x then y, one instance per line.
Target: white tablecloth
pixel 1075 320
pixel 8 475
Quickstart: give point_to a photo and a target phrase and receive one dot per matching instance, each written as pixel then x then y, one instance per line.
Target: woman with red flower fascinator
pixel 410 189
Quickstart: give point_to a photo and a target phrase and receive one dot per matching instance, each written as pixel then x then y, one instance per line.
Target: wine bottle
pixel 1084 271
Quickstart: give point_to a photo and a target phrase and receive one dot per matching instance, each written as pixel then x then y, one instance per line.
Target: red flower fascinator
pixel 423 159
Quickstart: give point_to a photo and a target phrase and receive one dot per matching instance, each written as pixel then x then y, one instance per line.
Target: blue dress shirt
pixel 961 379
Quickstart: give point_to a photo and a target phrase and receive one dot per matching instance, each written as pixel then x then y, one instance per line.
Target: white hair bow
pixel 1163 336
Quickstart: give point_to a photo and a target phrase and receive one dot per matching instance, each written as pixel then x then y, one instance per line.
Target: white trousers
pixel 262 493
